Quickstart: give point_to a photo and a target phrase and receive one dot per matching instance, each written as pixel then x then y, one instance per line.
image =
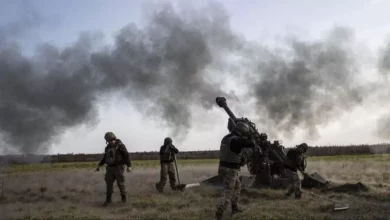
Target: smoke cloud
pixel 309 84
pixel 383 125
pixel 165 68
pixel 160 67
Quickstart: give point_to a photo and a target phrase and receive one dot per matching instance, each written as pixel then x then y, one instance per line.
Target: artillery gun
pixel 266 162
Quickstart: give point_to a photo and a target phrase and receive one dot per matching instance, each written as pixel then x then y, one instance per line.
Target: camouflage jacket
pixel 123 159
pixel 296 159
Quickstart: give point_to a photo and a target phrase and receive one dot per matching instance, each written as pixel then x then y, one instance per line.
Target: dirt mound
pixel 347 188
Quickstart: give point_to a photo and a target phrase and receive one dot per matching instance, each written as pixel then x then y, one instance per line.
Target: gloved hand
pixel 128 169
pixel 97 168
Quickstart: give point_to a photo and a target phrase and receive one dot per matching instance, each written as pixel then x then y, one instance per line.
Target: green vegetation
pixel 18 168
pixel 372 157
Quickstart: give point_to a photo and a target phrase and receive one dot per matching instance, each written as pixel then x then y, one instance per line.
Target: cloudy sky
pixel 304 71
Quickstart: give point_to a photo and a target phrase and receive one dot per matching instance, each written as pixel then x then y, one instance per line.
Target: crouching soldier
pixel 115 156
pixel 167 156
pixel 231 151
pixel 297 160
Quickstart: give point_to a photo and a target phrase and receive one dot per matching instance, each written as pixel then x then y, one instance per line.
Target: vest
pixel 167 154
pixel 226 155
pixel 113 156
pixel 296 158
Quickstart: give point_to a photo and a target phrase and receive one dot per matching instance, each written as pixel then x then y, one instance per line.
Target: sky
pixel 266 22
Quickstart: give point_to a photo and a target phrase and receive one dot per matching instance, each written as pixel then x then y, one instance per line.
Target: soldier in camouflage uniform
pixel 298 164
pixel 115 156
pixel 229 165
pixel 167 156
pixel 264 144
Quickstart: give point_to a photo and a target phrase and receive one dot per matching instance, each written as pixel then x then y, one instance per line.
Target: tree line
pixel 331 150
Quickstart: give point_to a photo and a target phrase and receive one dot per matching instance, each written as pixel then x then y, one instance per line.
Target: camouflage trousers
pixel 294 183
pixel 115 173
pixel 231 189
pixel 167 169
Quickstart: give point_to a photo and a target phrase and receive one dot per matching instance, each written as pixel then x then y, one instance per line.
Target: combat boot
pixel 298 195
pixel 158 188
pixel 108 201
pixel 219 215
pixel 124 198
pixel 236 209
pixel 288 194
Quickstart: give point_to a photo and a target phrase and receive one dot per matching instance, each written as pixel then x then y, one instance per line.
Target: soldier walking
pixel 115 156
pixel 229 165
pixel 167 157
pixel 297 159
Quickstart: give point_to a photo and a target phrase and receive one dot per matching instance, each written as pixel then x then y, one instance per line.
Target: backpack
pixel 110 155
pixel 166 154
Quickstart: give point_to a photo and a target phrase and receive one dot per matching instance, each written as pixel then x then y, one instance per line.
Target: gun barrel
pixel 221 101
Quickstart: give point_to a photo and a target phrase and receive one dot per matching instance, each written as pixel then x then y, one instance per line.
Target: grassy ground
pixel 75 191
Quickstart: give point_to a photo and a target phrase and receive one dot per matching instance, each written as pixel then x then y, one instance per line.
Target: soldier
pixel 229 165
pixel 115 156
pixel 298 164
pixel 263 166
pixel 264 143
pixel 167 157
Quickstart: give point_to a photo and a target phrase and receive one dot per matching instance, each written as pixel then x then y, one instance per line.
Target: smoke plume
pixel 160 67
pixel 383 124
pixel 308 84
pixel 166 67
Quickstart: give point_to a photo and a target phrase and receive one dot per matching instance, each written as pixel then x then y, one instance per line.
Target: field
pixel 75 191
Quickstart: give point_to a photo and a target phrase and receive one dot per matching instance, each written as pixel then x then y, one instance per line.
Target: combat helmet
pixel 263 136
pixel 303 147
pixel 167 141
pixel 109 136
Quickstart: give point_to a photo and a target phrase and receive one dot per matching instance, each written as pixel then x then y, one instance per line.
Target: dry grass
pixel 78 194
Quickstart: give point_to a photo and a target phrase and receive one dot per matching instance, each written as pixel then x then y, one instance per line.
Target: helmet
pixel 109 136
pixel 167 141
pixel 241 128
pixel 303 147
pixel 276 142
pixel 263 136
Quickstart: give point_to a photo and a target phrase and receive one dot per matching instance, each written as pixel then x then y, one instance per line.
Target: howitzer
pixel 267 167
pixel 256 155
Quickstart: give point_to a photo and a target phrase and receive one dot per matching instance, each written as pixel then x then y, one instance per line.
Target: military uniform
pixel 230 162
pixel 298 163
pixel 167 155
pixel 115 156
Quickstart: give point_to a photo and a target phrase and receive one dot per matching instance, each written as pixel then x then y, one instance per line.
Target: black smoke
pixel 309 84
pixel 161 68
pixel 165 68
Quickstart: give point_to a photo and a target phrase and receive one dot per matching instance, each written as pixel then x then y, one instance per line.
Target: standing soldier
pixel 229 165
pixel 167 157
pixel 264 144
pixel 297 159
pixel 115 156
